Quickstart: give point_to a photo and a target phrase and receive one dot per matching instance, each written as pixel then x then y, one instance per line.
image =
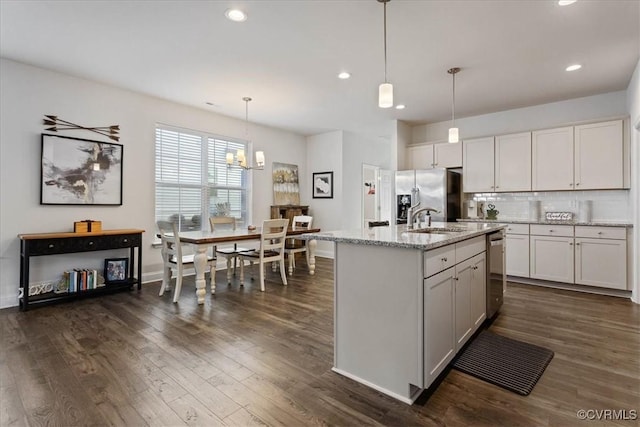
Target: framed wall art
pixel 78 171
pixel 323 185
pixel 286 189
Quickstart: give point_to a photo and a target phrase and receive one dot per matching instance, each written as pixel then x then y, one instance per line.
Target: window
pixel 193 181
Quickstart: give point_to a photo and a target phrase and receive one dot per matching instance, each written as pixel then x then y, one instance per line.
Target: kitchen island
pixel 406 301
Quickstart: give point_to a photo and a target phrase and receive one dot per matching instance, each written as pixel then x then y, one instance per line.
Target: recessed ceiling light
pixel 566 2
pixel 344 75
pixel 236 15
pixel 400 107
pixel 573 67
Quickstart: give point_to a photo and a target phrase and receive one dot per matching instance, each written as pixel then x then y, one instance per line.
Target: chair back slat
pixel 301 222
pixel 170 239
pixel 222 220
pixel 273 234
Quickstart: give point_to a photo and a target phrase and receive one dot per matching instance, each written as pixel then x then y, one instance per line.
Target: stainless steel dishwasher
pixel 496 275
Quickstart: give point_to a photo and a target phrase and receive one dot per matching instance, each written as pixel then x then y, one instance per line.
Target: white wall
pixel 633 106
pixel 324 154
pixel 28 93
pixel 403 136
pixel 529 118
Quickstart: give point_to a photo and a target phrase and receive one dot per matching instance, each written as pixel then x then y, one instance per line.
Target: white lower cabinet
pixel 471 298
pixel 601 257
pixel 517 236
pixel 454 303
pixel 439 323
pixel 552 258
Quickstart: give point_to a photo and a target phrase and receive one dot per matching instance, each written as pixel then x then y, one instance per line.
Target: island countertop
pixel 399 236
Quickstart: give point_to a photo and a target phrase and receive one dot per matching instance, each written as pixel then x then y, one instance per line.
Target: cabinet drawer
pixel 517 229
pixel 619 233
pixel 468 248
pixel 552 230
pixel 439 259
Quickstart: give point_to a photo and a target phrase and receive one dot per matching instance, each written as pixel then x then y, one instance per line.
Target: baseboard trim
pixel 570 287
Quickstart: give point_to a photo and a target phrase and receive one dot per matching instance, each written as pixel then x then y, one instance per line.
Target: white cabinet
pixel 599 157
pixel 513 162
pixel 454 301
pixel 441 155
pixel 478 290
pixel 471 298
pixel 551 252
pixel 584 157
pixel 552 159
pixel 439 323
pixel 447 155
pixel 601 257
pixel 517 236
pixel 478 163
pixel 503 164
pixel 420 157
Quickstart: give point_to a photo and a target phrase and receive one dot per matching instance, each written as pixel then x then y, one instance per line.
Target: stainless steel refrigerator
pixel 440 189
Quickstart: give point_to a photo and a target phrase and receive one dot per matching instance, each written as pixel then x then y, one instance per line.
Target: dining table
pixel 202 240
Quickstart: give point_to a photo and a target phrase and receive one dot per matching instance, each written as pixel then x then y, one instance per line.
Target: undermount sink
pixel 437 230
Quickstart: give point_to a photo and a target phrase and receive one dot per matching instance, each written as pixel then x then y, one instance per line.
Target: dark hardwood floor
pixel 252 358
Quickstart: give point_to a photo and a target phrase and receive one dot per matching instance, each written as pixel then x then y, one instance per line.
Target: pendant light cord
pixel 385 42
pixel 246 100
pixel 453 102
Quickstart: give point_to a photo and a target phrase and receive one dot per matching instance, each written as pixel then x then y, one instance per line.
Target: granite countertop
pixel 398 235
pixel 528 221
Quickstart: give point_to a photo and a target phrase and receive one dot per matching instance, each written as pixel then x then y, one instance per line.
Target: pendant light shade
pixel 385 90
pixel 385 95
pixel 454 135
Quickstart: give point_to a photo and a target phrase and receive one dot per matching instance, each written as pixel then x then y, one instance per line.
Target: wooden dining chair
pixel 271 249
pixel 230 253
pixel 294 246
pixel 174 259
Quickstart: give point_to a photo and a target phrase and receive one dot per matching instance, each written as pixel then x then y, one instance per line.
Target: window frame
pixel 206 188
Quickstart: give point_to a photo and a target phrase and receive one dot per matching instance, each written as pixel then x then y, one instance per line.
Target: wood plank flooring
pixel 247 358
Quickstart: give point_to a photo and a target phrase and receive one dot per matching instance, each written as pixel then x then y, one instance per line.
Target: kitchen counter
pixel 399 237
pixel 528 221
pixel 405 302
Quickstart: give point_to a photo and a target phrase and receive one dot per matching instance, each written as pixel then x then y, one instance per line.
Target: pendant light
pixel 385 90
pixel 240 156
pixel 453 130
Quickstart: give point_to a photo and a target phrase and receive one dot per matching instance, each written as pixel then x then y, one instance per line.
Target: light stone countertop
pixel 525 221
pixel 398 235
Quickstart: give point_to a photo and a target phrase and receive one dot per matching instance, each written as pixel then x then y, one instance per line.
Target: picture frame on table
pixel 116 270
pixel 77 171
pixel 322 185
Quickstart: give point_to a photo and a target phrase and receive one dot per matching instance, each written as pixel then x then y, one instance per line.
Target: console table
pixel 43 244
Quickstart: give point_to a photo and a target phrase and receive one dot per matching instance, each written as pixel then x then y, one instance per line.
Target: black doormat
pixel 505 362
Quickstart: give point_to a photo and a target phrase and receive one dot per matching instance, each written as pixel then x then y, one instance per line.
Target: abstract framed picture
pixel 323 185
pixel 286 188
pixel 78 171
pixel 116 270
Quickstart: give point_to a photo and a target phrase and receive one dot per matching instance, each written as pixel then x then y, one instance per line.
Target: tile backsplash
pixel 606 205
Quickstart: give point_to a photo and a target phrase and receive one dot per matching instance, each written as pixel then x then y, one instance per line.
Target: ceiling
pixel 287 54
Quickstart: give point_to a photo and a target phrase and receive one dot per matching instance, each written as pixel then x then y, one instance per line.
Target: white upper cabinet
pixel 513 162
pixel 441 155
pixel 446 155
pixel 478 163
pixel 552 159
pixel 599 156
pixel 420 157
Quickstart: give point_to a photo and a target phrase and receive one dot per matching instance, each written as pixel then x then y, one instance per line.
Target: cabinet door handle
pixel 444 259
pixel 571 185
pixel 90 243
pixel 577 244
pixel 577 183
pixel 599 232
pixel 571 244
pixel 126 240
pixel 497 186
pixel 51 245
pixel 551 230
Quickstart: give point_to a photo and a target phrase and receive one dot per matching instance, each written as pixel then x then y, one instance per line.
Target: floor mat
pixel 505 362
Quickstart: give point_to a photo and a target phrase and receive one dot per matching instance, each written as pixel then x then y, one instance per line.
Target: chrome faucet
pixel 412 216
